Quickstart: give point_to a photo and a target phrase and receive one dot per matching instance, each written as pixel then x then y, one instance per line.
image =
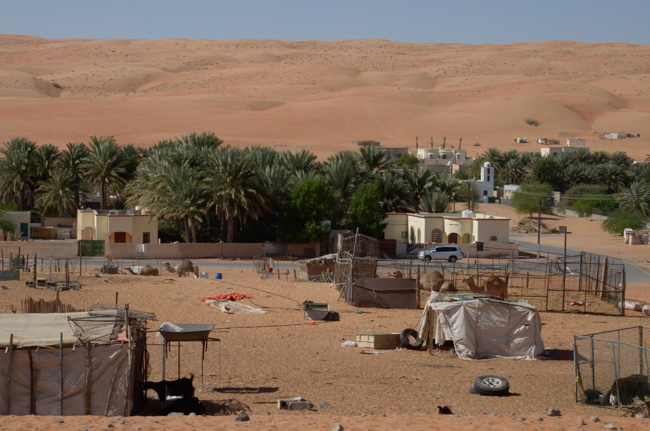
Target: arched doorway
pixel 88 233
pixel 452 238
pixel 465 239
pixel 412 237
pixel 419 236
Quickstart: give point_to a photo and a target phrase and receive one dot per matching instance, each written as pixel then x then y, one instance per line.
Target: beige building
pixel 447 228
pixel 117 226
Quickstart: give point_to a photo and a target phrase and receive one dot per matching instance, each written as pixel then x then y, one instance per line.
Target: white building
pixel 447 228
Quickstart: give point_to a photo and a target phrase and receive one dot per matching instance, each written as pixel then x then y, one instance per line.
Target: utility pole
pixel 539 225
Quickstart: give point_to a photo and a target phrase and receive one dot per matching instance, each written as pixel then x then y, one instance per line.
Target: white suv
pixel 451 253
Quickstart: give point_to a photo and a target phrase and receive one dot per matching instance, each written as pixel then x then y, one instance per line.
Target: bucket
pixel 217 276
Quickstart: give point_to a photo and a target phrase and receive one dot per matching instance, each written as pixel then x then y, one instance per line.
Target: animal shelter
pixel 612 367
pixel 585 282
pixel 481 326
pixel 80 363
pixel 383 293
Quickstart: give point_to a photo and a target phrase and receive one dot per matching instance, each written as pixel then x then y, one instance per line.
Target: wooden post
pixel 67 274
pixel 80 262
pixel 417 289
pixel 527 279
pixel 410 269
pixel 32 384
pixel 604 280
pixel 8 383
pixel 2 257
pixel 87 395
pixel 61 374
pixel 35 267
pixel 129 334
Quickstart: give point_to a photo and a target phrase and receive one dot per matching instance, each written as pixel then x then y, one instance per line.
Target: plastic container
pixel 217 276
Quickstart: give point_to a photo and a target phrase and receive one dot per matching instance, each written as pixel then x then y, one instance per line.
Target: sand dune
pixel 323 96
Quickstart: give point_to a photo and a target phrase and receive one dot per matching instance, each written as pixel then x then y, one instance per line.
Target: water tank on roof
pixel 467 214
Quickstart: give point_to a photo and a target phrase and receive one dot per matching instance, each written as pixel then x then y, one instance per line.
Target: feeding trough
pixel 185 331
pixel 179 332
pixel 316 311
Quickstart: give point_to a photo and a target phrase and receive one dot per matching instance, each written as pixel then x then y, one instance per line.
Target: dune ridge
pixel 323 96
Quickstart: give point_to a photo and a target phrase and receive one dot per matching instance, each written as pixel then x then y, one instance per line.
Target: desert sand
pixel 324 96
pixel 265 357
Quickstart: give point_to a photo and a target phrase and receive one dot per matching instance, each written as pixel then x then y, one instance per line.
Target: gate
pixel 91 247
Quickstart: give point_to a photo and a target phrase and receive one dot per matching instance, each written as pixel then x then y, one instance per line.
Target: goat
pixel 181 387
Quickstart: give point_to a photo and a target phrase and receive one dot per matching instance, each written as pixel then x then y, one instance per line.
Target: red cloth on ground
pixel 229 296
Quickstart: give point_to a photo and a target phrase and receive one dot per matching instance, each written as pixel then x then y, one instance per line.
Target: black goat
pixel 185 406
pixel 181 387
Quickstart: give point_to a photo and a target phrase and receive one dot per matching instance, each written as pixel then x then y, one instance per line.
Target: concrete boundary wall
pixel 56 248
pixel 65 248
pixel 209 250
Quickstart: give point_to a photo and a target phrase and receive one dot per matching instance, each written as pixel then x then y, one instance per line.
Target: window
pixel 404 235
pixel 493 238
pixel 146 238
pixel 488 178
pixel 436 235
pixel 484 192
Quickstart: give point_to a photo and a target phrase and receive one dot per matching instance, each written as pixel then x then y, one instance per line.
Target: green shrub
pixel 57 85
pixel 532 122
pixel 620 220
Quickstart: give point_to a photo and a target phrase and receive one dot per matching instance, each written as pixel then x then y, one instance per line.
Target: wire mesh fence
pixel 581 283
pixel 611 368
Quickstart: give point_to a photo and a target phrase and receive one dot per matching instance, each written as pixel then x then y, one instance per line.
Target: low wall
pixel 55 248
pixel 208 250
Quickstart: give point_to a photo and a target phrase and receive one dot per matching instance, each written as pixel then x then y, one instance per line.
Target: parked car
pixel 450 253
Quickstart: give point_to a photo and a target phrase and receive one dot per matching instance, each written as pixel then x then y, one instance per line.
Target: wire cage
pixel 585 282
pixel 612 367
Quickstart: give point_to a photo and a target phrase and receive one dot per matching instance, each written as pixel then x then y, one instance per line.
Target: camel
pixel 432 280
pixel 493 286
pixel 183 268
pixel 146 270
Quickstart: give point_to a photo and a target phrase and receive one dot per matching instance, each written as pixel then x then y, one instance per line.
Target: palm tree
pixel 202 141
pixel 104 164
pixel 395 193
pixel 513 172
pixel 419 180
pixel 234 190
pixel 58 193
pixel 45 158
pixel 374 159
pixel 299 163
pixel 582 155
pixel 170 188
pixel 342 174
pixel 575 174
pixel 636 198
pixel 72 159
pixel 612 176
pixel 451 186
pixel 620 158
pixel 495 157
pixel 436 202
pixel 18 171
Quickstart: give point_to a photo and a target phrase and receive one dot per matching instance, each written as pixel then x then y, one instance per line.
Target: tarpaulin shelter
pixel 82 363
pixel 483 326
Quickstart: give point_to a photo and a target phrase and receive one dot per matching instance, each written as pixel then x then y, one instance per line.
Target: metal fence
pixel 611 367
pixel 582 283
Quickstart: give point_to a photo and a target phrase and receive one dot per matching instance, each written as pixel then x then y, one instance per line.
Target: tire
pixel 427 258
pixel 491 385
pixel 404 339
pixel 452 259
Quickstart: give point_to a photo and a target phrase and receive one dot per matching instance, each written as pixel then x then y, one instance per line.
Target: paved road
pixel 633 272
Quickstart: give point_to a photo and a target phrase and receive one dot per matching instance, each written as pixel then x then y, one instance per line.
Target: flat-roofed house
pixel 117 226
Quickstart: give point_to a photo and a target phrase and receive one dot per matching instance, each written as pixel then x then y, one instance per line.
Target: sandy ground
pixel 265 357
pixel 324 96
